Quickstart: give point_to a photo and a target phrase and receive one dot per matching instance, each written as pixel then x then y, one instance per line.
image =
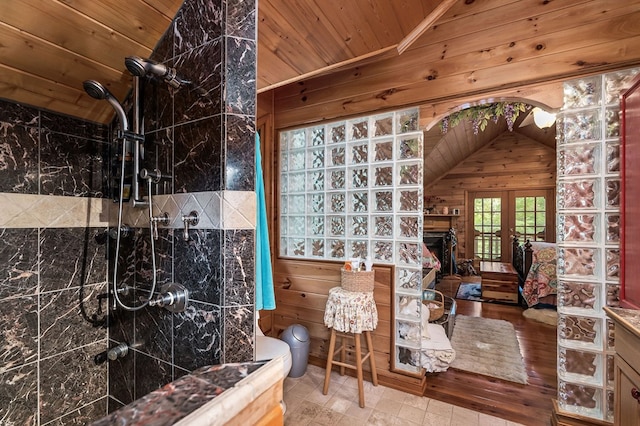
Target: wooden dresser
pixel 627 365
pixel 499 281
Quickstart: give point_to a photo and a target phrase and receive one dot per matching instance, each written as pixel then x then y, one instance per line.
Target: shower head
pixel 97 91
pixel 140 67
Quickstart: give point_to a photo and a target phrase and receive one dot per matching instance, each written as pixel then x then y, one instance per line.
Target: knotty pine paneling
pixel 303 37
pixel 52 96
pixel 546 94
pixel 65 67
pixel 50 48
pixel 562 41
pixel 331 59
pixel 135 19
pixel 96 42
pixel 490 38
pixel 302 288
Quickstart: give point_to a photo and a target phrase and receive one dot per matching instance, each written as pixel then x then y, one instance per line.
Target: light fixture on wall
pixel 542 118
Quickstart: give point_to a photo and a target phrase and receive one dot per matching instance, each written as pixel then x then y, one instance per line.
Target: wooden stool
pixel 349 314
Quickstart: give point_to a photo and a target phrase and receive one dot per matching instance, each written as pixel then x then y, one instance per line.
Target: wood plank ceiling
pixel 475 48
pixel 324 59
pixel 302 38
pixel 48 48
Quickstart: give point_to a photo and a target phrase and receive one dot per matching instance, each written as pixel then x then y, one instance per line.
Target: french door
pixel 496 216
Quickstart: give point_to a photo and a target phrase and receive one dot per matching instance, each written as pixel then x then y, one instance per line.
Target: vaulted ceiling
pixel 327 58
pixel 48 48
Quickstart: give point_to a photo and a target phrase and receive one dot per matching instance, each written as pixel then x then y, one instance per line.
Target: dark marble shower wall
pixel 203 135
pixel 51 267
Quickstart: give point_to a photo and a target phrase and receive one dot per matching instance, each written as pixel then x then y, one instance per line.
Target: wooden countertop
pixel 628 318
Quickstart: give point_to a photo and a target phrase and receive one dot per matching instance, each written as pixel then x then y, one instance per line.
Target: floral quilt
pixel 541 280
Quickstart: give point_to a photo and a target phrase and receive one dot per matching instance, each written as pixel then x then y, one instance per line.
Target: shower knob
pixel 173 297
pixel 118 351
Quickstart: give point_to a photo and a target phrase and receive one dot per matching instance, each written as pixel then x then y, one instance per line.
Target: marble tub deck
pixel 210 395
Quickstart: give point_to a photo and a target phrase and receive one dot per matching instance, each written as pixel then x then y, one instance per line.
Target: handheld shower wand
pixel 97 91
pixel 140 67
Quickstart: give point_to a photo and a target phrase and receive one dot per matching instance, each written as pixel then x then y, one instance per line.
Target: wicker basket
pixel 357 281
pixel 435 313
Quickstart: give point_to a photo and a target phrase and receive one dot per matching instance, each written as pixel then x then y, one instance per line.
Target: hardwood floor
pixel 529 404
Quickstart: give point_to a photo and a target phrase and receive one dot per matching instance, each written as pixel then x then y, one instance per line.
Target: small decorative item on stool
pixel 357 280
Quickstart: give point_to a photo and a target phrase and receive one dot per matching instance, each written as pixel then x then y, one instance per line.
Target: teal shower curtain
pixel 265 296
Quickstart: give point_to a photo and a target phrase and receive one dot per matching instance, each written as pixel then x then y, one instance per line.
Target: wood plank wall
pixel 510 162
pixel 302 288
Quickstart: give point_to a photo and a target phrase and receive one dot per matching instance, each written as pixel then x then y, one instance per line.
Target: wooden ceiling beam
pixel 324 69
pixel 423 26
pixel 564 66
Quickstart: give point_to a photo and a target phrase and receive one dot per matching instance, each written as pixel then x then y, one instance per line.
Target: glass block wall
pixel 588 236
pixel 354 189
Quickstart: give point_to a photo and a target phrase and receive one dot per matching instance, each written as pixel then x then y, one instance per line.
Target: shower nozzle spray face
pixel 97 91
pixel 141 67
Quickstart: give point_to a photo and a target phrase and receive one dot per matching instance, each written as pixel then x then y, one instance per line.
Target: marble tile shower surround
pixel 203 136
pixel 212 44
pixel 53 176
pixel 48 340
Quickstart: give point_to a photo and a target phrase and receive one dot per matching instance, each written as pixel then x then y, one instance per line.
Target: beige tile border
pixel 215 210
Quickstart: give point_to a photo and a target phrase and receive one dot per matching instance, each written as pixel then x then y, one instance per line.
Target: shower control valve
pixel 111 354
pixel 190 220
pixel 173 297
pixel 118 351
pixel 154 175
pixel 163 220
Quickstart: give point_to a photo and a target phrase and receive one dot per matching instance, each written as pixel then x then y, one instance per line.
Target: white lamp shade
pixel 542 118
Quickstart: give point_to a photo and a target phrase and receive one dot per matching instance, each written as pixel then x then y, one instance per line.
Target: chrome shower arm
pixel 138 143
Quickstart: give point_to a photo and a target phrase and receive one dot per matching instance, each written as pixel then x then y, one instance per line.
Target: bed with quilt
pixel 535 263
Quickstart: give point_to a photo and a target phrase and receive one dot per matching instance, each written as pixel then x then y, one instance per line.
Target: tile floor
pixel 306 405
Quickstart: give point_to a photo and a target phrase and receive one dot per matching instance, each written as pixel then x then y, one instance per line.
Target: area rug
pixel 488 347
pixel 469 291
pixel 546 316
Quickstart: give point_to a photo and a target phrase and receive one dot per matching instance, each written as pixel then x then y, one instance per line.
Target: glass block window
pixel 350 185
